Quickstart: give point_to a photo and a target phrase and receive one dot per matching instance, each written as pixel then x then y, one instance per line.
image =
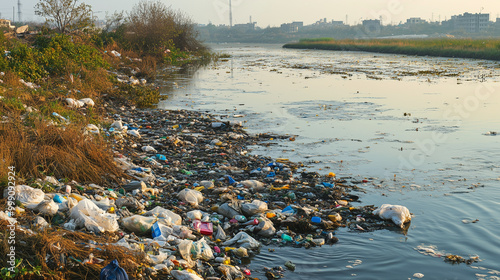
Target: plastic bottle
pixel 240 218
pixel 316 220
pixel 286 237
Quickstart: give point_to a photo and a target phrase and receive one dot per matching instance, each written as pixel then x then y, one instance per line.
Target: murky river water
pixel 419 129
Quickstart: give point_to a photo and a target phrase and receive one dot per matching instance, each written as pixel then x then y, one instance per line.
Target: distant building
pixel 471 23
pixel 293 27
pixel 414 20
pixel 324 23
pixel 371 25
pixel 245 26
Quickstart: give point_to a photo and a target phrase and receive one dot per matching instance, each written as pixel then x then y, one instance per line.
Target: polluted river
pixel 414 131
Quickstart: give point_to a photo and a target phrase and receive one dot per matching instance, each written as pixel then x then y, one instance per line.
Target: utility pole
pixel 230 15
pixel 19 10
pixel 13 13
pixel 346 17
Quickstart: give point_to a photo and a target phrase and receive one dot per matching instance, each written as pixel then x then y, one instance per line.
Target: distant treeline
pixel 449 47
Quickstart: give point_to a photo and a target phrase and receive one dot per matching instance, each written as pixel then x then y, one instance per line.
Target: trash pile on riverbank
pixel 194 204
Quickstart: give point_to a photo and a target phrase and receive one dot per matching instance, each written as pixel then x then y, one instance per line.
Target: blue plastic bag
pixel 113 271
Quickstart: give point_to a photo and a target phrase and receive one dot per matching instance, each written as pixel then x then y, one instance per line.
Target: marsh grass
pixel 459 48
pixel 58 247
pixel 42 149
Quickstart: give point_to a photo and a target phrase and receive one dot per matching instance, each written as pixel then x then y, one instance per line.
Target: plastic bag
pixel 220 233
pixel 184 275
pixel 244 240
pixel 129 202
pixel 87 101
pixel 71 225
pixel 148 149
pixel 240 252
pixel 161 212
pixel 256 207
pixel 397 213
pixel 184 248
pixel 207 184
pixel 48 207
pixel 113 271
pixel 74 103
pixel 88 215
pixel 183 232
pixel 230 272
pixel 228 211
pixel 194 215
pixel 40 223
pixel 27 195
pixel 92 128
pixel 139 224
pixel 253 184
pixel 104 204
pixel 157 259
pixel 265 228
pixel 201 250
pixel 191 196
pixel 6 217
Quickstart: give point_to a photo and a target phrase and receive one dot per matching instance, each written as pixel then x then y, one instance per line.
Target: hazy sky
pixel 275 12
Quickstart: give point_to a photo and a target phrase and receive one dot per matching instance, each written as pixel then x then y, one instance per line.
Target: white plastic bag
pixel 92 128
pixel 184 248
pixel 139 224
pixel 161 212
pixel 148 149
pixel 47 207
pixel 190 196
pixel 71 225
pixel 184 275
pixel 194 215
pixel 201 250
pixel 88 215
pixel 397 213
pixel 27 195
pixel 244 240
pixel 253 184
pixel 256 207
pixel 87 101
pixel 183 232
pixel 104 204
pixel 157 259
pixel 74 103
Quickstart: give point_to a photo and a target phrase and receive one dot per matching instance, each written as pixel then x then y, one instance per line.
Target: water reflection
pixel 397 120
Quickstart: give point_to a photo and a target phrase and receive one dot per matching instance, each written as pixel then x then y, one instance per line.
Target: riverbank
pixel 88 178
pixel 193 167
pixel 456 48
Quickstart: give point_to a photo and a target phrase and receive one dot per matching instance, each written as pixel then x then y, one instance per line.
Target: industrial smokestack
pixel 19 10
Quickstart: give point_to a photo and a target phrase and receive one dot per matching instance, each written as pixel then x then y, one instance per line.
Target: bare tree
pixel 152 26
pixel 65 14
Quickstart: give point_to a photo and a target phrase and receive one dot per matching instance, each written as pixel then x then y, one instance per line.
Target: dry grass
pixel 64 153
pixel 58 251
pixel 10 79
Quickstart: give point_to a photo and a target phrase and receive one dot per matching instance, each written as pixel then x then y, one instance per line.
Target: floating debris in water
pixel 468 221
